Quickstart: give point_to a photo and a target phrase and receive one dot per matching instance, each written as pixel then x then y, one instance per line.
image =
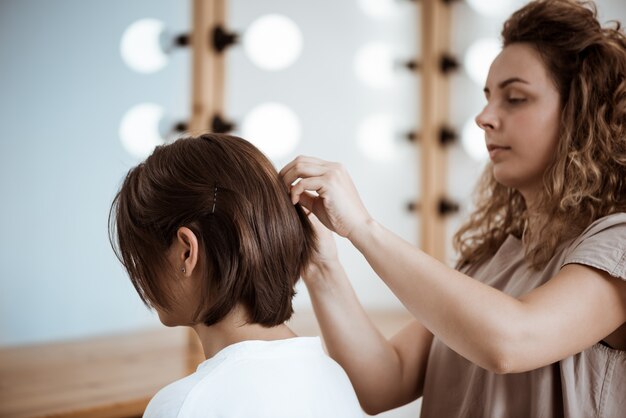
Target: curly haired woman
pixel 532 323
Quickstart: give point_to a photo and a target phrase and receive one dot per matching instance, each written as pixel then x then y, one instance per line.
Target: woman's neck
pixel 233 329
pixel 531 198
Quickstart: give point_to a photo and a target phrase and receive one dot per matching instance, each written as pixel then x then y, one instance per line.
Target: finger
pixel 312 216
pixel 293 162
pixel 300 159
pixel 303 170
pixel 311 183
pixel 304 159
pixel 317 224
pixel 307 201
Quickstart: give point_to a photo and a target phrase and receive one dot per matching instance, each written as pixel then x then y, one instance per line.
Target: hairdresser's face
pixel 521 118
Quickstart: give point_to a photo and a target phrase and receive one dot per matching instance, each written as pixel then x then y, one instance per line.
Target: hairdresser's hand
pixel 337 203
pixel 325 258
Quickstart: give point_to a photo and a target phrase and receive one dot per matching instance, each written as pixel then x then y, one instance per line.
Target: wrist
pixel 321 268
pixel 362 231
pixel 323 274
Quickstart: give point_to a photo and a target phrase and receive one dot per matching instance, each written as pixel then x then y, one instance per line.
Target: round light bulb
pixel 479 57
pixel 273 42
pixel 374 65
pixel 141 46
pixel 495 8
pixel 139 130
pixel 473 141
pixel 379 9
pixel 376 138
pixel 273 128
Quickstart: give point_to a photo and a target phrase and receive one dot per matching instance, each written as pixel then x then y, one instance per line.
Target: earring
pixel 183 270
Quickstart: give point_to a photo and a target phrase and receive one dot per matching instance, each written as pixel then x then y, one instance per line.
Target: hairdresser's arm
pixel 574 310
pixel 385 374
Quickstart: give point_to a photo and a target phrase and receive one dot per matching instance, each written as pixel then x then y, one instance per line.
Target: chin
pixel 505 178
pixel 520 180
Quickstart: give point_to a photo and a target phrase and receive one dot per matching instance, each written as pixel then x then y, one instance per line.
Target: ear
pixel 186 245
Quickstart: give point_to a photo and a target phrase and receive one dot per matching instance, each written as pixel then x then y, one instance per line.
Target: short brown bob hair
pixel 255 242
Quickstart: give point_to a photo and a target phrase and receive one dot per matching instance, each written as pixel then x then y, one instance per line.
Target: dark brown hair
pixel 587 178
pixel 255 242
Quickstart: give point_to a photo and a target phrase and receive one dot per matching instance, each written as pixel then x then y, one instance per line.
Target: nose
pixel 487 119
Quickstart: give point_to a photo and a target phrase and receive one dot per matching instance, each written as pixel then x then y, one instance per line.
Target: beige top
pixel 589 384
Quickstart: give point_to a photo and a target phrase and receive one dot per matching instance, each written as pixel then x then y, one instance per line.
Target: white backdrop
pixel 65 89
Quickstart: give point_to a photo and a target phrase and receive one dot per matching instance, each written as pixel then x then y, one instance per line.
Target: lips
pixel 492 147
pixel 496 150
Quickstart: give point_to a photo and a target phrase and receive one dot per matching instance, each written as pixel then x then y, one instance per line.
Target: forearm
pixel 370 360
pixel 471 318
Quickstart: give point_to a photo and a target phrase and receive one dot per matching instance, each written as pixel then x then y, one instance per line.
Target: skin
pixel 186 253
pixel 574 310
pixel 521 119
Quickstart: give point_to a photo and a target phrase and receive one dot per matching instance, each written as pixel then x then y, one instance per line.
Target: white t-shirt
pixel 261 379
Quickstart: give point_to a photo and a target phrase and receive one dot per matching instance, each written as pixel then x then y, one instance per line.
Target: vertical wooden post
pixel 435 25
pixel 207 95
pixel 207 78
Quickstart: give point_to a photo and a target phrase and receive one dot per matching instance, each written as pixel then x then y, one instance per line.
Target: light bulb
pixel 139 130
pixel 473 141
pixel 479 57
pixel 376 138
pixel 497 8
pixel 141 46
pixel 374 65
pixel 379 9
pixel 273 128
pixel 273 42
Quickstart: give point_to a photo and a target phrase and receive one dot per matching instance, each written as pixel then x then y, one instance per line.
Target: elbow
pixel 375 405
pixel 502 356
pixel 500 364
pixel 505 356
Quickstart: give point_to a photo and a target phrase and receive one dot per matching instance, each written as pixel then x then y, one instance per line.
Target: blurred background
pixel 89 88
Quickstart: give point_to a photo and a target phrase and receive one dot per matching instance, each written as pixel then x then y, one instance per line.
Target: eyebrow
pixel 506 82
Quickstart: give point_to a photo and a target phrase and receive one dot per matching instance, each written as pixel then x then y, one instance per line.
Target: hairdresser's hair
pixel 255 242
pixel 587 178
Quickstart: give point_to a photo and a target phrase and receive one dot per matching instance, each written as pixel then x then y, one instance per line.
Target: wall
pixel 65 88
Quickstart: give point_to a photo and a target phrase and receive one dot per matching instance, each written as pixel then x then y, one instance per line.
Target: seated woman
pixel 210 240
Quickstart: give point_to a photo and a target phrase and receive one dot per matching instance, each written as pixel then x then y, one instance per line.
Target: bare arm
pixel 575 309
pixel 572 311
pixel 385 374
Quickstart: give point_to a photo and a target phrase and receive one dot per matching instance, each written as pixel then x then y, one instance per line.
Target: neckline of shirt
pixel 267 348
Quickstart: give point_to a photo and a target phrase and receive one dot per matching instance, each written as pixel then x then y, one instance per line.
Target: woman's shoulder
pixel 613 225
pixel 601 245
pixel 169 400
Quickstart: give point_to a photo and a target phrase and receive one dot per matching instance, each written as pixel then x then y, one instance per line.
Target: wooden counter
pixel 112 376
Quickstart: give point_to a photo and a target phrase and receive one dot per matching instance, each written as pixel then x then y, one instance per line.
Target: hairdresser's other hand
pixel 337 203
pixel 325 258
